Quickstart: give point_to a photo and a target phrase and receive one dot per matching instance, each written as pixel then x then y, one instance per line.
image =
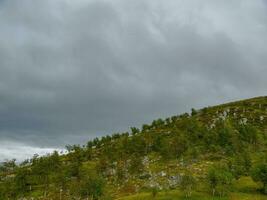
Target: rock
pixel 145 176
pixel 162 173
pixel 244 121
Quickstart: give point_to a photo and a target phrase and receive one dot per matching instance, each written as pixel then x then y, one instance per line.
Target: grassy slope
pixel 177 195
pixel 245 189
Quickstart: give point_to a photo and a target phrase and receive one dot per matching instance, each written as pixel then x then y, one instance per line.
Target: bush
pixel 259 174
pixel 188 184
pixel 220 180
pixel 154 192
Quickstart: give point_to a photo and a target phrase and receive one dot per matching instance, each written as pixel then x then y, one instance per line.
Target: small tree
pixel 8 165
pixel 21 180
pixel 220 180
pixel 121 171
pixel 102 165
pixel 193 112
pixel 91 184
pixel 91 187
pixel 154 192
pixel 240 165
pixel 134 130
pixel 259 174
pixel 188 184
pixel 248 133
pixel 136 164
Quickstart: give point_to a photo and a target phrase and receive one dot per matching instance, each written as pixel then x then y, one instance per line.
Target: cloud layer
pixel 73 70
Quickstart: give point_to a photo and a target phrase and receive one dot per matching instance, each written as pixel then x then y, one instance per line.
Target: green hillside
pixel 214 153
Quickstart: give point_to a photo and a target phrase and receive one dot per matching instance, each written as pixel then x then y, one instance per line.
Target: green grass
pixel 246 196
pixel 177 195
pixel 246 185
pixel 245 189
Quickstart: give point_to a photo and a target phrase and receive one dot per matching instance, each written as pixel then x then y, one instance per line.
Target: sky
pixel 74 70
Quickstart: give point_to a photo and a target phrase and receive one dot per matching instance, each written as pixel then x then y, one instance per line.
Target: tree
pixel 21 180
pixel 240 165
pixel 157 123
pixel 154 192
pixel 188 184
pixel 8 165
pixel 193 112
pixel 136 164
pixel 102 165
pixel 137 145
pixel 179 145
pixel 259 174
pixel 165 148
pixel 227 136
pixel 145 127
pixel 134 130
pixel 219 180
pixel 248 133
pixel 45 166
pixel 75 157
pixel 91 187
pixel 225 133
pixel 91 184
pixel 8 190
pixel 121 171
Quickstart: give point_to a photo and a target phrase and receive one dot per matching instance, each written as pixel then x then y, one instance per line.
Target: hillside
pixel 214 153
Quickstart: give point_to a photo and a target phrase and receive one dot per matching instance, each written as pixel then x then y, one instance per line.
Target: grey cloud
pixel 73 70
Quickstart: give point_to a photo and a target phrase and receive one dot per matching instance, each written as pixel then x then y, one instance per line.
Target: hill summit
pixel 215 152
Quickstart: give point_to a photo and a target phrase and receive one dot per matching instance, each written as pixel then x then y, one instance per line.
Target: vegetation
pixel 213 153
pixel 259 173
pixel 188 184
pixel 220 180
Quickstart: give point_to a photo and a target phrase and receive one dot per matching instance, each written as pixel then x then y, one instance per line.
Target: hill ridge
pixel 180 154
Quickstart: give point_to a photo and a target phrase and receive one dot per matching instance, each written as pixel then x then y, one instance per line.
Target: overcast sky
pixel 71 70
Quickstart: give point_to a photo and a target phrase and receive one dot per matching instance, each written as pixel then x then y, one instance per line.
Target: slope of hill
pixel 216 152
